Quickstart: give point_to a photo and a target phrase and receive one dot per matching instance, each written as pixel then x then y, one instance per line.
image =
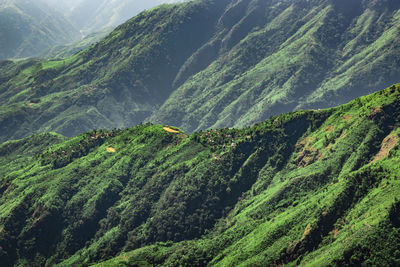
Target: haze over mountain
pixel 29 27
pixel 310 188
pixel 207 64
pixel 94 15
pixel 63 6
pixel 66 50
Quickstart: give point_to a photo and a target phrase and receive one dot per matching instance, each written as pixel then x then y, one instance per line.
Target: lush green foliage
pixel 115 83
pixel 316 187
pixel 271 57
pixel 208 64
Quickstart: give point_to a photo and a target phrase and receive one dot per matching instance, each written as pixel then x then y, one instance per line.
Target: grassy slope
pixel 117 82
pixel 279 56
pixel 309 187
pixel 207 64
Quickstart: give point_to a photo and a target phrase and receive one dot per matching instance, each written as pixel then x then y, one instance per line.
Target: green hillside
pixel 208 64
pixel 313 187
pixel 117 82
pixel 27 28
pixel 270 57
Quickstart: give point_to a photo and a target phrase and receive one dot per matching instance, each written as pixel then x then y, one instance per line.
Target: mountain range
pixel 208 64
pixel 204 133
pixel 308 188
pixel 28 27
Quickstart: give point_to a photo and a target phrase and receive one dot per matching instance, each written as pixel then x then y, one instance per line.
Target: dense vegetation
pixel 208 64
pixel 314 187
pixel 28 27
pixel 116 83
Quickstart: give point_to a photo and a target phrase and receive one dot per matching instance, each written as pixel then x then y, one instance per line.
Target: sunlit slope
pixel 316 187
pixel 276 56
pixel 209 64
pixel 118 82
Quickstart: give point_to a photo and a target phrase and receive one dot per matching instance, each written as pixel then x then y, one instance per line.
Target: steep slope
pixel 275 56
pixel 209 64
pixel 309 188
pixel 117 82
pixel 28 27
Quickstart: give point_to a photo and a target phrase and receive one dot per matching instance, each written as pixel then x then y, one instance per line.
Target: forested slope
pixel 118 82
pixel 209 64
pixel 309 187
pixel 269 57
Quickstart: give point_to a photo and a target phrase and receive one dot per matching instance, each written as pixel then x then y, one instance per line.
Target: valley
pixel 199 133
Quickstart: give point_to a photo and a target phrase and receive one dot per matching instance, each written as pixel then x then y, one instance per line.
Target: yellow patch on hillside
pixel 348 117
pixel 387 144
pixel 31 104
pixel 111 149
pixel 170 130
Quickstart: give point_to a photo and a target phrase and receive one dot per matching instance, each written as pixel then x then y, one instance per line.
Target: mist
pixel 93 15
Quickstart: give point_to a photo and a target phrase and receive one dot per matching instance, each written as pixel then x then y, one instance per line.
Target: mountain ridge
pixel 284 191
pixel 107 79
pixel 215 64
